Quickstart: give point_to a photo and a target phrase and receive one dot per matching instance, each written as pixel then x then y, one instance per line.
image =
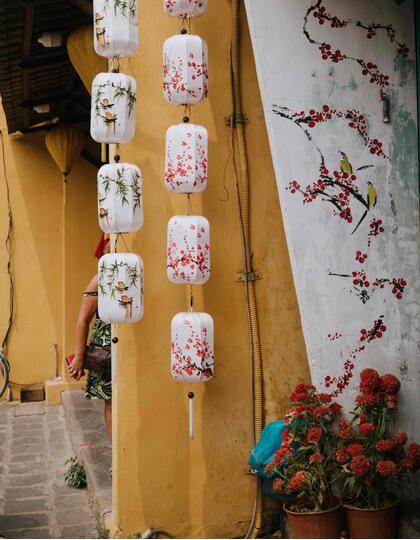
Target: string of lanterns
pixel 185 83
pixel 120 195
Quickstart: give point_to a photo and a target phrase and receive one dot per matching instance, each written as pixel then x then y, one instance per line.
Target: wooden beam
pixel 84 5
pixel 26 53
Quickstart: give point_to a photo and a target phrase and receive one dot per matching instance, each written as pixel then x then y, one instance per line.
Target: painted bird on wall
pixel 345 165
pixel 372 199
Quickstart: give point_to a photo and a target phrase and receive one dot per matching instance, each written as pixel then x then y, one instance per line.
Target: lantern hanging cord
pixel 191 303
pixel 189 208
pixel 120 235
pixel 115 64
pixel 185 25
pixel 8 249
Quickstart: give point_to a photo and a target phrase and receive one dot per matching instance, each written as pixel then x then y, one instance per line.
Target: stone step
pixel 85 424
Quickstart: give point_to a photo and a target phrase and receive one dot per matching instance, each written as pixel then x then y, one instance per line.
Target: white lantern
pixel 120 198
pixel 120 288
pixel 113 111
pixel 185 69
pixel 115 29
pixel 186 158
pixel 192 348
pixel 185 8
pixel 188 251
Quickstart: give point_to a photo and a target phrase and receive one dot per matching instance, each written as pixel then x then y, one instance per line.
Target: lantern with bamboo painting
pixel 185 8
pixel 188 250
pixel 186 158
pixel 120 288
pixel 192 348
pixel 113 110
pixel 185 69
pixel 115 29
pixel 120 198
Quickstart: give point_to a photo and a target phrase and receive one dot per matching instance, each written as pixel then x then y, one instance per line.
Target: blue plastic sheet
pixel 263 453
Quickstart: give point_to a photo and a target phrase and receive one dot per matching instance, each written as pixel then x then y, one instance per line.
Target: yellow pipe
pixel 243 192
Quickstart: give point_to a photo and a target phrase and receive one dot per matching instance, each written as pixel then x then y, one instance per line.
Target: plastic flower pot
pixel 324 524
pixel 372 522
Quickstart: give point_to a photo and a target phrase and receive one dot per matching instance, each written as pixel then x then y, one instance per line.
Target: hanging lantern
pixel 120 198
pixel 113 111
pixel 185 8
pixel 186 158
pixel 65 143
pixel 120 288
pixel 185 69
pixel 115 30
pixel 192 349
pixel 188 253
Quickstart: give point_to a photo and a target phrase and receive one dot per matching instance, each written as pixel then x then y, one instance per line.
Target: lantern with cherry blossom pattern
pixel 120 288
pixel 185 8
pixel 188 250
pixel 115 29
pixel 120 198
pixel 185 69
pixel 113 110
pixel 192 349
pixel 186 158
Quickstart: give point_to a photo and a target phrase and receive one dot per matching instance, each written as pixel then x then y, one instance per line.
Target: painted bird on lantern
pixel 103 214
pixel 372 199
pixel 345 165
pixel 121 286
pixel 105 104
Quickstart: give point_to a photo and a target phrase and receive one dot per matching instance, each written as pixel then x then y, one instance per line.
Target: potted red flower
pixel 305 465
pixel 373 461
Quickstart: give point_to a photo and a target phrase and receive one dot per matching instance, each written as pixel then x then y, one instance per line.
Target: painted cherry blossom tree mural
pixel 335 156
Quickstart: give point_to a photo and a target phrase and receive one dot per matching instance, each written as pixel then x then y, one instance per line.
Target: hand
pixel 76 367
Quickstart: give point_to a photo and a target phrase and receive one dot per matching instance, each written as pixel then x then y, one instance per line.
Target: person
pixel 98 385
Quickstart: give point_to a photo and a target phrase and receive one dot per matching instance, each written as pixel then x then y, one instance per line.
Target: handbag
pixel 98 358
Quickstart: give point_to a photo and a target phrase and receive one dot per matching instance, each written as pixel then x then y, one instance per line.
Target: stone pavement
pixel 85 424
pixel 35 502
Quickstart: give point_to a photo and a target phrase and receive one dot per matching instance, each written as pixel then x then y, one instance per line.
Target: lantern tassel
pixel 191 415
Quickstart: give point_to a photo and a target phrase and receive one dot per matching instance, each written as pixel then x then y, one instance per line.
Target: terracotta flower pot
pixel 325 524
pixel 372 523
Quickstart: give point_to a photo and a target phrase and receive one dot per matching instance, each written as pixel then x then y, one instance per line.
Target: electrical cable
pixel 243 202
pixel 8 249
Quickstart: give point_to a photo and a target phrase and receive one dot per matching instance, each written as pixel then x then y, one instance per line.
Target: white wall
pixel 294 76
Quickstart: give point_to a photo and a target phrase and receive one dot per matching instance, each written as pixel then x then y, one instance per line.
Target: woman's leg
pixel 108 417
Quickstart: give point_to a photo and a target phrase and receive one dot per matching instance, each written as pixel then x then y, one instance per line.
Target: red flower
pixel 360 465
pixel 298 396
pixel 270 467
pixel 304 387
pixel 325 398
pixel 346 433
pixel 297 481
pixel 400 438
pixel 392 401
pixel 385 445
pixel 367 428
pixel 278 484
pixel 390 384
pixel 344 424
pixel 341 455
pixel 335 408
pixel 369 381
pixel 314 435
pixel 315 458
pixel 321 411
pixel 354 449
pixel 413 452
pixel 386 467
pixel 367 399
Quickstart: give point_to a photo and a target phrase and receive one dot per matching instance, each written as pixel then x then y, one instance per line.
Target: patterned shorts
pixel 98 386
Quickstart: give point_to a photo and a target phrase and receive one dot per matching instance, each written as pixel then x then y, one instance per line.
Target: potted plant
pixel 374 462
pixel 305 465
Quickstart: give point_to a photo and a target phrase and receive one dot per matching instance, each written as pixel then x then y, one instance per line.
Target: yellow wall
pixel 36 200
pixel 161 479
